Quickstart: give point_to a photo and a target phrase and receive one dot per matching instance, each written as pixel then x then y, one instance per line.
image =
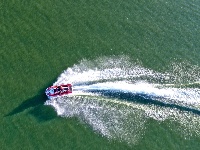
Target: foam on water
pixel 116 68
pixel 186 97
pixel 118 117
pixel 108 117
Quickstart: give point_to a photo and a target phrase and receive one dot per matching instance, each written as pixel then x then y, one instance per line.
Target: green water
pixel 40 39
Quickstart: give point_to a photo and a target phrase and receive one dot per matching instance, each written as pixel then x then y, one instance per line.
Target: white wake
pixel 116 117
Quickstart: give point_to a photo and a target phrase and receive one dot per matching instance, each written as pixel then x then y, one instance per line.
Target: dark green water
pixel 38 40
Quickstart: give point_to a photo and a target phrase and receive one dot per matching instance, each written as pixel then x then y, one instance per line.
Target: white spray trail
pixel 184 97
pixel 119 68
pixel 114 117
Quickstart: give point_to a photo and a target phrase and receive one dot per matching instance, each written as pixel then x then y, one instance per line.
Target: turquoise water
pixel 134 66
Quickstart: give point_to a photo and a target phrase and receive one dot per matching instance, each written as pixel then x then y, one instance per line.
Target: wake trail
pixel 105 92
pixel 184 97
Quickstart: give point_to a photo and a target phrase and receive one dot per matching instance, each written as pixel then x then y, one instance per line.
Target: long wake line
pixel 116 96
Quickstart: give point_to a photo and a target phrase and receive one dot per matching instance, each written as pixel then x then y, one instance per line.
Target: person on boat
pixel 59 89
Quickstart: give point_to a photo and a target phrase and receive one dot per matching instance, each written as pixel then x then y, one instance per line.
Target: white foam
pixel 100 69
pixel 114 121
pixel 118 119
pixel 185 97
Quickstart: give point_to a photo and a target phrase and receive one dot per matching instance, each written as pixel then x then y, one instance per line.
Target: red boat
pixel 55 91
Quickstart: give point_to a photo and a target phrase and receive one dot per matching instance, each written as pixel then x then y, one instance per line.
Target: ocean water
pixel 134 67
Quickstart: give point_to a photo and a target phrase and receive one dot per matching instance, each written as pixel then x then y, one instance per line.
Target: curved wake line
pixel 107 69
pixel 101 86
pixel 184 97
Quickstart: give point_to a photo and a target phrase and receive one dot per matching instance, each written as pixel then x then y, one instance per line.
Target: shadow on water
pixel 38 109
pixel 143 99
pixel 43 113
